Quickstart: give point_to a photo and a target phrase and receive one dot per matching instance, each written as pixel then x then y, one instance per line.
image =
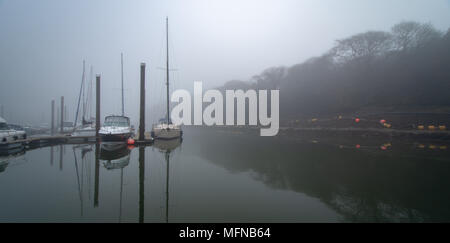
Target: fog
pixel 43 44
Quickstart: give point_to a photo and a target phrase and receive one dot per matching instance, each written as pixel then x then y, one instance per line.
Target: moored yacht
pixel 116 129
pixel 87 127
pixel 115 132
pixel 8 136
pixel 165 129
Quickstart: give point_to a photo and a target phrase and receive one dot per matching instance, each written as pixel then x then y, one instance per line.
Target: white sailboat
pixel 116 129
pixel 165 129
pixel 87 127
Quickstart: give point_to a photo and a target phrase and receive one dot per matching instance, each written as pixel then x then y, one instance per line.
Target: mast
pixel 79 98
pixel 91 77
pixel 167 68
pixel 121 62
pixel 83 99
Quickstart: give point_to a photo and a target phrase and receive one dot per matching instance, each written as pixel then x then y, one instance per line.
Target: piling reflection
pixel 60 157
pixel 51 156
pixel 141 183
pixel 97 174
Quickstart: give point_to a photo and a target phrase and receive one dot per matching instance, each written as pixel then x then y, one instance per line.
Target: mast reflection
pixel 167 147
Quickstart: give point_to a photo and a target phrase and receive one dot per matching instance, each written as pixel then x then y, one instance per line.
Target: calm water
pixel 215 176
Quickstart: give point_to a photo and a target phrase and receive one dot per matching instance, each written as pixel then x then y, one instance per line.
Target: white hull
pixel 164 132
pixel 9 136
pixel 84 132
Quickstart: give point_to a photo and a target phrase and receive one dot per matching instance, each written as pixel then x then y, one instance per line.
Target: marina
pixel 247 113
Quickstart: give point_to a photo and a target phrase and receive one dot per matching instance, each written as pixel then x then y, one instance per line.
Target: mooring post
pixel 62 115
pixel 57 119
pixel 97 108
pixel 52 127
pixel 1 111
pixel 142 106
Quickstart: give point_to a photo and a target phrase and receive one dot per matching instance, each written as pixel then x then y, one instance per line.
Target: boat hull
pixel 115 137
pixel 166 134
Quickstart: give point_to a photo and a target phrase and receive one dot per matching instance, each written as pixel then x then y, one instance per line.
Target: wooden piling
pixel 52 127
pixel 57 118
pixel 97 108
pixel 61 124
pixel 142 105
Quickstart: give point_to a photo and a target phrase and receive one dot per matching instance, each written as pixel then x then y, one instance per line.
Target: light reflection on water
pixel 215 176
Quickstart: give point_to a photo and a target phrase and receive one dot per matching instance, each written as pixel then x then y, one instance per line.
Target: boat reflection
pixel 167 147
pixel 114 160
pixel 84 171
pixel 13 155
pixel 117 159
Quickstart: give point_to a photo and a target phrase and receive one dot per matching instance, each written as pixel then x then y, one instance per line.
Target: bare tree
pixel 410 34
pixel 270 78
pixel 369 44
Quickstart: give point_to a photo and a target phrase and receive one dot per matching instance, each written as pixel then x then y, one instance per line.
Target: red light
pixel 357 120
pixel 358 146
pixel 382 121
pixel 130 141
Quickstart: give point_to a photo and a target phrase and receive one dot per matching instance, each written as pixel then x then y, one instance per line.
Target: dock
pixel 143 138
pixel 44 141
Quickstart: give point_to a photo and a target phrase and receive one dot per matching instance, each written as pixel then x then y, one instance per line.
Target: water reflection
pixel 13 155
pixel 361 184
pixel 115 159
pixel 166 147
pixel 141 183
pixel 222 177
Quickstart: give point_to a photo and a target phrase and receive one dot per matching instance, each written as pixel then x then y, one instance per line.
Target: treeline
pixel 406 67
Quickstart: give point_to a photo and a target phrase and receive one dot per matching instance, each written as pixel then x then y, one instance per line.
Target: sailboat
pixel 116 129
pixel 165 129
pixel 87 127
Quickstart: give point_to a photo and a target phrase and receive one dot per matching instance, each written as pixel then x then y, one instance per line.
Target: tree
pixel 270 78
pixel 409 34
pixel 369 44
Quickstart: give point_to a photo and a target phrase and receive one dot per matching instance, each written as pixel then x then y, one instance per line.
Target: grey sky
pixel 43 43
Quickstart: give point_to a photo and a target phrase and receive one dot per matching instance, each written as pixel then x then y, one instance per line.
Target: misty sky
pixel 43 43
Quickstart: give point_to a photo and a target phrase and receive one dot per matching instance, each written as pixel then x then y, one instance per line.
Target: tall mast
pixel 79 99
pixel 167 68
pixel 84 88
pixel 91 76
pixel 121 62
